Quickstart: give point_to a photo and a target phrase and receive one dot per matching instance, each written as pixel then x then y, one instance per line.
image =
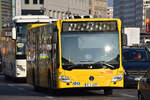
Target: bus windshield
pixel 20 40
pixel 89 48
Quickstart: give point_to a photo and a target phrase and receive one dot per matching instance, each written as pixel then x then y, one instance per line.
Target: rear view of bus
pixel 90 54
pixel 14 63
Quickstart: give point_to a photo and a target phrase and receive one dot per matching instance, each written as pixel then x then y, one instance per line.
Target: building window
pixel 90 12
pixel 41 1
pixel 35 2
pixel 147 2
pixel 26 1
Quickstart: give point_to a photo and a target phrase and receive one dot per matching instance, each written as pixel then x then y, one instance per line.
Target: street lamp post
pixel 43 10
pixel 68 12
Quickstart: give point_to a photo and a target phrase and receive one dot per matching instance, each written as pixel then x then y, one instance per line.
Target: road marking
pixel 11 85
pixel 33 92
pixel 20 88
pixel 49 97
pixel 127 95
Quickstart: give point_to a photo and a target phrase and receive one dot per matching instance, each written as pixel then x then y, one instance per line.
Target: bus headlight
pixel 65 79
pixel 117 78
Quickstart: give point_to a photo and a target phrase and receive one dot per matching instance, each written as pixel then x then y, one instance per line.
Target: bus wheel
pixel 140 96
pixel 7 77
pixel 108 91
pixel 54 92
pixel 36 88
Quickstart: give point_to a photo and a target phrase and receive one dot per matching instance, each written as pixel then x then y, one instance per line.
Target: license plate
pixel 91 84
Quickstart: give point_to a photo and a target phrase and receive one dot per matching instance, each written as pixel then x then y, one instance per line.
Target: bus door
pixel 31 60
pixel 55 57
pixel 36 63
pixel 44 56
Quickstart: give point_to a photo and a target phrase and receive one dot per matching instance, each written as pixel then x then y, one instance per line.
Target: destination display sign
pixel 92 26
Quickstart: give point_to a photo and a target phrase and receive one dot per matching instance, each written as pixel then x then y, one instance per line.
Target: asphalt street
pixel 22 91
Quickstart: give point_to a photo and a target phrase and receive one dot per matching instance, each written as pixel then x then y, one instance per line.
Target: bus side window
pixel 48 43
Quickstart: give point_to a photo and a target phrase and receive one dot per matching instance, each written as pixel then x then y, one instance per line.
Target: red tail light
pixel 147 25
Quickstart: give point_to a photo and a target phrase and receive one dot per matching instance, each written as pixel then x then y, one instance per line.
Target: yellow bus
pixel 75 53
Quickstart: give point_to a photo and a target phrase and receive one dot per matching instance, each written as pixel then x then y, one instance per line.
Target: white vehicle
pixel 14 58
pixel 133 35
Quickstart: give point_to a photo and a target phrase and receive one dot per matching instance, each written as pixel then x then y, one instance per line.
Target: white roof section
pixel 32 19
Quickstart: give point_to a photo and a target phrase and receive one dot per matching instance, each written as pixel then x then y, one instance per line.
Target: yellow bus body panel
pixel 80 78
pixel 44 76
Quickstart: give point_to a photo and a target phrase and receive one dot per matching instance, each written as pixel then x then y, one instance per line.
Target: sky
pixel 110 3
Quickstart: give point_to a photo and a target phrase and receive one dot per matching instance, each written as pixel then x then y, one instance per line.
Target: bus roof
pixel 93 19
pixel 32 18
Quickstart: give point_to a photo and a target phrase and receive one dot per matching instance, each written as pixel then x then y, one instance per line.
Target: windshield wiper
pixel 86 61
pixel 70 67
pixel 66 61
pixel 104 63
pixel 82 66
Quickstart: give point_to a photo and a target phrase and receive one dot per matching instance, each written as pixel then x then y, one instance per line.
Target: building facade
pixel 126 11
pixel 0 19
pixel 98 8
pixel 110 12
pixel 30 7
pixel 6 16
pixel 52 8
pixel 132 12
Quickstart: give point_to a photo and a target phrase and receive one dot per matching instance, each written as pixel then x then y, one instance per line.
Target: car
pixel 144 87
pixel 147 44
pixel 135 62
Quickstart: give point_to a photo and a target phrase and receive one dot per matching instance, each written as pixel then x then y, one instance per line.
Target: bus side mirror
pixel 14 32
pixel 124 39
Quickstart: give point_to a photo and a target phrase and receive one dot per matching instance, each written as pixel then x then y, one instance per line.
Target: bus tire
pixel 16 80
pixel 140 96
pixel 54 92
pixel 7 77
pixel 108 91
pixel 33 77
pixel 36 88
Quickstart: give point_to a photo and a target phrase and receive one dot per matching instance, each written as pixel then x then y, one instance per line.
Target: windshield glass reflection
pixel 84 48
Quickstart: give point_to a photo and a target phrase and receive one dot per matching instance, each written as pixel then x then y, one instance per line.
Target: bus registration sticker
pixel 91 84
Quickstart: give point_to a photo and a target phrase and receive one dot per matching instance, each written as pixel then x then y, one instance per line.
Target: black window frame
pixel 35 1
pixel 41 1
pixel 26 1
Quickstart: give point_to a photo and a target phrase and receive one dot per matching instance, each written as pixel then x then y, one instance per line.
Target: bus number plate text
pixel 91 84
